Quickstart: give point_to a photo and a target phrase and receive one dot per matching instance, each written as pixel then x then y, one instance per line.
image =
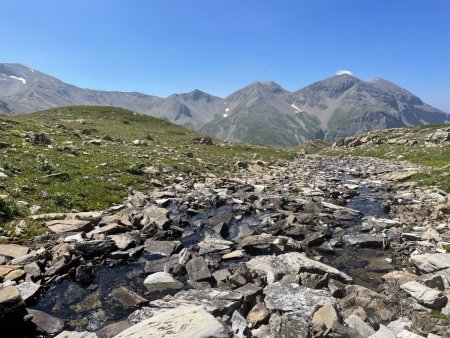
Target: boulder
pixel 163 248
pixel 198 270
pixel 216 301
pixel 28 290
pixel 162 281
pixel 364 240
pixel 427 263
pixel 426 296
pixel 325 315
pixel 156 216
pixel 185 321
pixel 293 263
pixel 294 297
pixel 213 244
pixel 259 314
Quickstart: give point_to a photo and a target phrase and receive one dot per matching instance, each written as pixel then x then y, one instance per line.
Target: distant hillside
pixel 262 112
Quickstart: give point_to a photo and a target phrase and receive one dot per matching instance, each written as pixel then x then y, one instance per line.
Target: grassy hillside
pixel 388 145
pixel 92 161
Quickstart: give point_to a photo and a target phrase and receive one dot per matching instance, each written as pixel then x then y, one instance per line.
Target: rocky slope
pixel 316 247
pixel 262 112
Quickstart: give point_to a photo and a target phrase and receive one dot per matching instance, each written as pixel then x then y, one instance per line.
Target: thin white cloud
pixel 344 72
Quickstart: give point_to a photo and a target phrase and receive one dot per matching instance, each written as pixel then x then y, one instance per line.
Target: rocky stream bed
pixel 320 247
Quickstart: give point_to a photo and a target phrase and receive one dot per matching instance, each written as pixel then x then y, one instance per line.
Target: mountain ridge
pixel 261 112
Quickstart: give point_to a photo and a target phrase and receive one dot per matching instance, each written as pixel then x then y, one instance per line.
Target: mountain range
pixel 262 112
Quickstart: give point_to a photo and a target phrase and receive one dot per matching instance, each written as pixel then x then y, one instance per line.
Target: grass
pixel 92 162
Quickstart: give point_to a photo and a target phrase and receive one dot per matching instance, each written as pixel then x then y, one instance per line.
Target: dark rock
pixel 198 270
pixel 93 249
pixel 85 274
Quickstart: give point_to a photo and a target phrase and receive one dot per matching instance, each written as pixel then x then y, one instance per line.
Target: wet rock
pixel 92 249
pixel 125 298
pixel 28 290
pixel 162 281
pixel 325 315
pixel 85 274
pixel 221 218
pixel 69 225
pixel 213 244
pixel 198 270
pixel 186 321
pixel 163 248
pixel 45 323
pixel 427 263
pixel 292 263
pixel 13 250
pixel 156 216
pixel 426 296
pixel 294 297
pixel 364 240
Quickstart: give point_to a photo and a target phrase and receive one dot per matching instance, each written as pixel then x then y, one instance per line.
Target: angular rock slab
pixel 215 301
pixel 185 321
pixel 154 215
pixel 427 263
pixel 13 250
pixel 294 297
pixel 426 296
pixel 68 225
pixel 293 263
pixel 76 334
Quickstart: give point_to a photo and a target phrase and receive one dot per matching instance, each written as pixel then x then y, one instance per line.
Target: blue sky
pixel 167 46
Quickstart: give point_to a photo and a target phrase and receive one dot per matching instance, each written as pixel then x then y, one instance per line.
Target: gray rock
pixel 216 301
pixel 163 264
pixel 163 248
pixel 364 329
pixel 364 240
pixel 156 216
pixel 427 263
pixel 294 297
pixel 185 321
pixel 426 296
pixel 408 334
pixel 223 217
pixel 213 244
pixel 46 323
pixel 28 290
pixel 197 269
pixel 288 325
pixel 161 281
pixel 293 263
pixel 122 241
pixel 239 325
pixel 383 332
